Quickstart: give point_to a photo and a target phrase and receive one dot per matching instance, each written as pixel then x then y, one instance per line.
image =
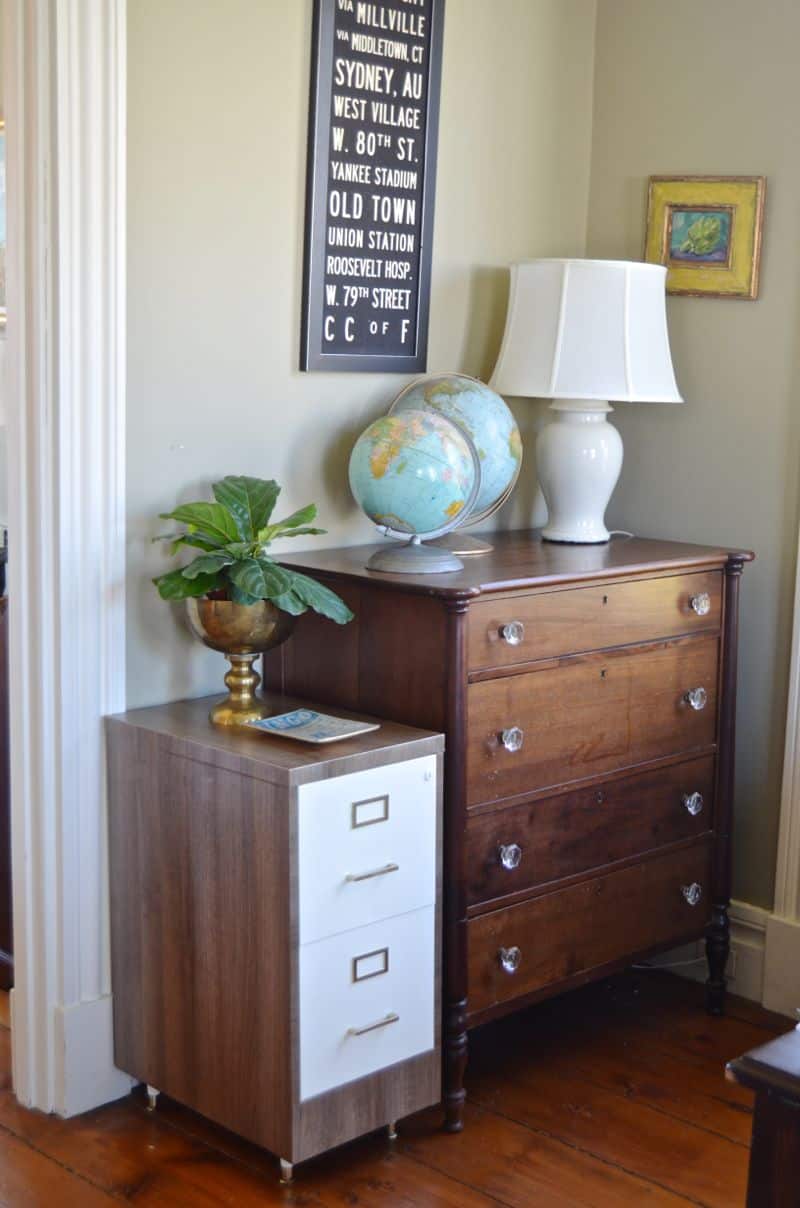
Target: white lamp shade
pixel 587 329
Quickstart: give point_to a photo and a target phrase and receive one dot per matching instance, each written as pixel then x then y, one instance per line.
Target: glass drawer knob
pixel 512 738
pixel 694 803
pixel 512 632
pixel 510 958
pixel 510 855
pixel 701 603
pixel 696 698
pixel 693 893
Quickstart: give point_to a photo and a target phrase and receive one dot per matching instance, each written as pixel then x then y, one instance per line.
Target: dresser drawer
pixel 366 846
pixel 506 631
pixel 366 1000
pixel 589 716
pixel 515 848
pixel 573 930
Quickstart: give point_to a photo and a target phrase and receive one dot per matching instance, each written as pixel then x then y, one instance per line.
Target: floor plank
pixel 5 1009
pixel 612 1096
pixel 522 1166
pixel 30 1180
pixel 665 1151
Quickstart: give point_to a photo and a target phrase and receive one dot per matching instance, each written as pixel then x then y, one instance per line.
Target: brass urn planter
pixel 241 632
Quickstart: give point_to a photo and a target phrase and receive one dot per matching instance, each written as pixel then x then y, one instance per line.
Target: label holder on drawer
pixel 370 964
pixel 369 812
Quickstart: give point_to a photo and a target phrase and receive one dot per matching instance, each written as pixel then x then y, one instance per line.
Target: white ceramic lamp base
pixel 578 460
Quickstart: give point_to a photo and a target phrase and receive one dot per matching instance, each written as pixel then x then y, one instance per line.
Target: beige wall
pixel 218 110
pixel 711 87
pixel 3 441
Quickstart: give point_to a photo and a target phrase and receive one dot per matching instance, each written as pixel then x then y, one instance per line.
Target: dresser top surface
pixel 522 559
pixel 186 727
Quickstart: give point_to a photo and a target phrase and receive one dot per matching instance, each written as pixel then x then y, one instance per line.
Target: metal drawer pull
pixel 375 872
pixel 392 1017
pixel 693 893
pixel 510 958
pixel 510 855
pixel 512 632
pixel 701 604
pixel 512 738
pixel 696 698
pixel 694 803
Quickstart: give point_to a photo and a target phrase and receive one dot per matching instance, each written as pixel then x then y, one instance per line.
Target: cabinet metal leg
pixel 152 1097
pixel 287 1171
pixel 391 1130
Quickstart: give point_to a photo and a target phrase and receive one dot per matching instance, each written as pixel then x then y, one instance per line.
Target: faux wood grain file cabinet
pixel 275 913
pixel 588 697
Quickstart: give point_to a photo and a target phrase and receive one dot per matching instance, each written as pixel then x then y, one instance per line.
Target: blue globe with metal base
pixel 415 474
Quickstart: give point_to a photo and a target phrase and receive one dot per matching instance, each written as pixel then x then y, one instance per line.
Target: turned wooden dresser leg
pixel 718 941
pixel 456 1046
pixel 718 946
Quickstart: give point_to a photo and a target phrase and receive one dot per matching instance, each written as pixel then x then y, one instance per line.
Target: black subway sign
pixel 376 70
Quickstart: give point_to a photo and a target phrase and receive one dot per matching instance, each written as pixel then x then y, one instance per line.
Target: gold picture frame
pixel 707 231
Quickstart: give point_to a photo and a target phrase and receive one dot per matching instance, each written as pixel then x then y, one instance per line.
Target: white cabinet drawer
pixel 367 846
pixel 366 1000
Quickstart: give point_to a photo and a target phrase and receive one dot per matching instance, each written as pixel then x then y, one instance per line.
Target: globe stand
pixel 462 544
pixel 414 558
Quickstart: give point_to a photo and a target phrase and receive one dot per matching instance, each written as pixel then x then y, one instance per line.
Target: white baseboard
pixel 86 1076
pixel 747 959
pixel 782 966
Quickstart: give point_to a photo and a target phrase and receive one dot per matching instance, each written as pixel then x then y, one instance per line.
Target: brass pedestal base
pixel 242 704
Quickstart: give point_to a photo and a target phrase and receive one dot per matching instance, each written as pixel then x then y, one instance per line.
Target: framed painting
pixel 707 231
pixel 2 223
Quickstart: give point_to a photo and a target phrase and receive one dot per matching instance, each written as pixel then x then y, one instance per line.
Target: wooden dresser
pixel 275 923
pixel 587 695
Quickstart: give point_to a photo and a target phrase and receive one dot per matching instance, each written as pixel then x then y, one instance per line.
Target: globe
pixel 415 474
pixel 486 418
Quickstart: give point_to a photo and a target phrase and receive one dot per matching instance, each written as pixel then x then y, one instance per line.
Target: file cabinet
pixel 276 920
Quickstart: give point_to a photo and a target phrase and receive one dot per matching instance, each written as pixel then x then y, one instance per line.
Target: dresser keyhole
pixel 603 673
pixel 605 599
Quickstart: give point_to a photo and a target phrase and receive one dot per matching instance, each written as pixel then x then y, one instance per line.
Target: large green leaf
pixel 241 597
pixel 206 564
pixel 175 586
pixel 321 599
pixel 307 530
pixel 209 519
pixel 249 500
pixel 289 602
pixel 192 539
pixel 259 578
pixel 301 517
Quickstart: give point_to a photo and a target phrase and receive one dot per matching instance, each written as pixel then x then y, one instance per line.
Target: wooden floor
pixel 613 1095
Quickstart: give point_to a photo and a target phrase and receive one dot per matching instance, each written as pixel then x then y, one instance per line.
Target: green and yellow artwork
pixel 707 231
pixel 700 236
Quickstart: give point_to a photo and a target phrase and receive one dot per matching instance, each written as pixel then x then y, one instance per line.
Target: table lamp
pixel 583 332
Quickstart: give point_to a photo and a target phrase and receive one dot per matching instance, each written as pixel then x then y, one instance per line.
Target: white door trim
pixel 782 953
pixel 65 92
pixel 787 873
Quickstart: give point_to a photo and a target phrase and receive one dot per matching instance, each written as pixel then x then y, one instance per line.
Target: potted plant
pixel 240 601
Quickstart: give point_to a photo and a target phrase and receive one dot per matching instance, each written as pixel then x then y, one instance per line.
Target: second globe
pixel 488 421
